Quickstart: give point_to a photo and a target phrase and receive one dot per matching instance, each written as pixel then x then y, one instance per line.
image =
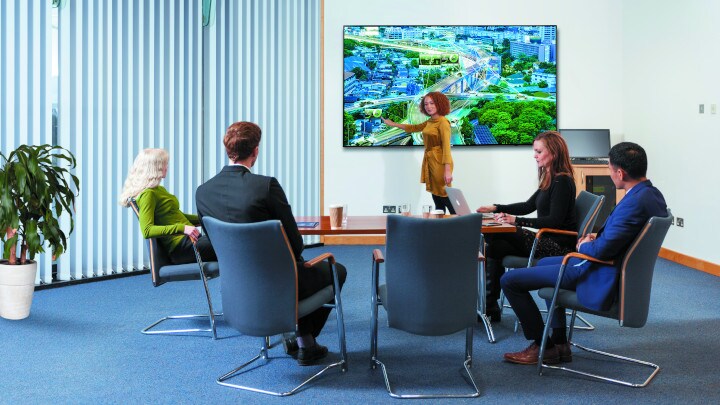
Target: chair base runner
pixel 148 331
pixel 466 365
pixel 488 326
pixel 374 362
pixel 263 354
pixel 655 368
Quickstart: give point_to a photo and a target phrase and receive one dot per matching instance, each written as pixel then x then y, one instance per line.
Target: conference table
pixel 377 224
pixel 374 225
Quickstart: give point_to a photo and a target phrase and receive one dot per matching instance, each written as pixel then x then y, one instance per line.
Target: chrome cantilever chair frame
pixel 155 253
pixel 460 235
pixel 482 297
pixel 633 306
pixel 265 233
pixel 584 228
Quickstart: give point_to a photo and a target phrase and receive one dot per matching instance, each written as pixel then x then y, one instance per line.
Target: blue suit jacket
pixel 597 283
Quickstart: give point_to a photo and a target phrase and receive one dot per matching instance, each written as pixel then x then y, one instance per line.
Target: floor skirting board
pixel 689 261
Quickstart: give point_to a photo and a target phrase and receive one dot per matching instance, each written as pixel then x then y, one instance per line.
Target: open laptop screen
pixel 457 199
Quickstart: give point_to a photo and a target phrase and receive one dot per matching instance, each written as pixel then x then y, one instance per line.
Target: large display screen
pixel 500 79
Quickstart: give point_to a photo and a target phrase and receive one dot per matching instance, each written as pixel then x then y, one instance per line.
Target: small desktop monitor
pixel 587 143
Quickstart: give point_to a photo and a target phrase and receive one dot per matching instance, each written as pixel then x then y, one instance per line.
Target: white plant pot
pixel 17 285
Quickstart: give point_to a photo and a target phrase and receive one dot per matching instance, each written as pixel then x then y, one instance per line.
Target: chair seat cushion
pixel 568 299
pixel 315 301
pixel 516 262
pixel 189 271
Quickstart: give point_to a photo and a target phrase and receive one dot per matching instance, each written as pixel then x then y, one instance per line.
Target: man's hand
pixel 587 238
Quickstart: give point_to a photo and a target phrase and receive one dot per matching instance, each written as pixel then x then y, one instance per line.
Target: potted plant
pixel 36 189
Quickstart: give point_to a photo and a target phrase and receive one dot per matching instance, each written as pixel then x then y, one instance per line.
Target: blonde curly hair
pixel 145 172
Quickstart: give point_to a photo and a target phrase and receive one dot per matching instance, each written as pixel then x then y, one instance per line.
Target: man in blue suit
pixel 596 284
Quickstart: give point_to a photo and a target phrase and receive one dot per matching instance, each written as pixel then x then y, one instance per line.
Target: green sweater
pixel 160 216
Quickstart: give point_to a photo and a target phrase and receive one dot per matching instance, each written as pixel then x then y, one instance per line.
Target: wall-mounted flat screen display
pixel 500 79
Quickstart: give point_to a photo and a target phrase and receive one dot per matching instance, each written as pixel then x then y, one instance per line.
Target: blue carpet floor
pixel 82 345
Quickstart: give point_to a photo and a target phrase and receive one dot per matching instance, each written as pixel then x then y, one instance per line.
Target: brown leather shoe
pixel 530 355
pixel 564 352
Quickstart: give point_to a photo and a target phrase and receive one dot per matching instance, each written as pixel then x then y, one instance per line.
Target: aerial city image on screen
pixel 500 81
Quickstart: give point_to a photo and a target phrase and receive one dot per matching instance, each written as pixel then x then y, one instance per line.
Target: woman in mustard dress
pixel 437 164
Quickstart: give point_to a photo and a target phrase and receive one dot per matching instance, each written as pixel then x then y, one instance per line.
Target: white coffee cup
pixel 437 213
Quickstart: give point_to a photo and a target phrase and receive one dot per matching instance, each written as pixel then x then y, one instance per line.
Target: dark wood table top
pixel 373 225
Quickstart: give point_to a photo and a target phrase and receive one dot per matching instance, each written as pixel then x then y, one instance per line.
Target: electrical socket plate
pixel 680 222
pixel 389 209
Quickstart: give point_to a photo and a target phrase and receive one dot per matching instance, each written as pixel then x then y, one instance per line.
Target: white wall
pixel 590 83
pixel 637 67
pixel 671 66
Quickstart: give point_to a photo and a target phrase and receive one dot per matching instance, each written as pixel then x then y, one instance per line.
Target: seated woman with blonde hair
pixel 159 211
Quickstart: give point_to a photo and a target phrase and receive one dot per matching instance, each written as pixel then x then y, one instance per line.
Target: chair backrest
pixel 431 268
pixel 587 208
pixel 636 272
pixel 259 276
pixel 157 255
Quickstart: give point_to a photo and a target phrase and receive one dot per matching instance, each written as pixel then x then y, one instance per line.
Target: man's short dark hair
pixel 241 139
pixel 630 157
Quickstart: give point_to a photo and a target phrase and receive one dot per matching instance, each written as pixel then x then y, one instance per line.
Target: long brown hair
pixel 560 166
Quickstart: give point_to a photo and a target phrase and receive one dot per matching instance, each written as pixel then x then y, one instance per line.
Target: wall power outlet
pixel 389 209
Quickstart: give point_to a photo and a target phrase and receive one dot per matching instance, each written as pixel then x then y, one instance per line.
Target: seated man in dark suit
pixel 596 284
pixel 237 195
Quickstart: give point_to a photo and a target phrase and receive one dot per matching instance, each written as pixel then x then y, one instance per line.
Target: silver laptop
pixel 457 199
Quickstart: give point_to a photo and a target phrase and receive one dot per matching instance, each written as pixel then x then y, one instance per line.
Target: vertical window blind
pixel 25 92
pixel 129 80
pixel 263 65
pixel 138 74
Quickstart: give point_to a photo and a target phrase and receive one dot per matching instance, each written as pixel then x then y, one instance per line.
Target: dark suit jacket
pixel 597 284
pixel 237 195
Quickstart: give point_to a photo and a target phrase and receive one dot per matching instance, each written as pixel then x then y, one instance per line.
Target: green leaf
pixel 36 188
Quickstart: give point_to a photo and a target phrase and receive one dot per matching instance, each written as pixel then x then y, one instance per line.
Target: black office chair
pixel 587 208
pixel 431 283
pixel 163 271
pixel 633 301
pixel 259 289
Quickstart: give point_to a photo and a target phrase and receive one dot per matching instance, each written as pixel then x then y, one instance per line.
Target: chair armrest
pixel 585 257
pixel 378 256
pixel 542 231
pixel 329 256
